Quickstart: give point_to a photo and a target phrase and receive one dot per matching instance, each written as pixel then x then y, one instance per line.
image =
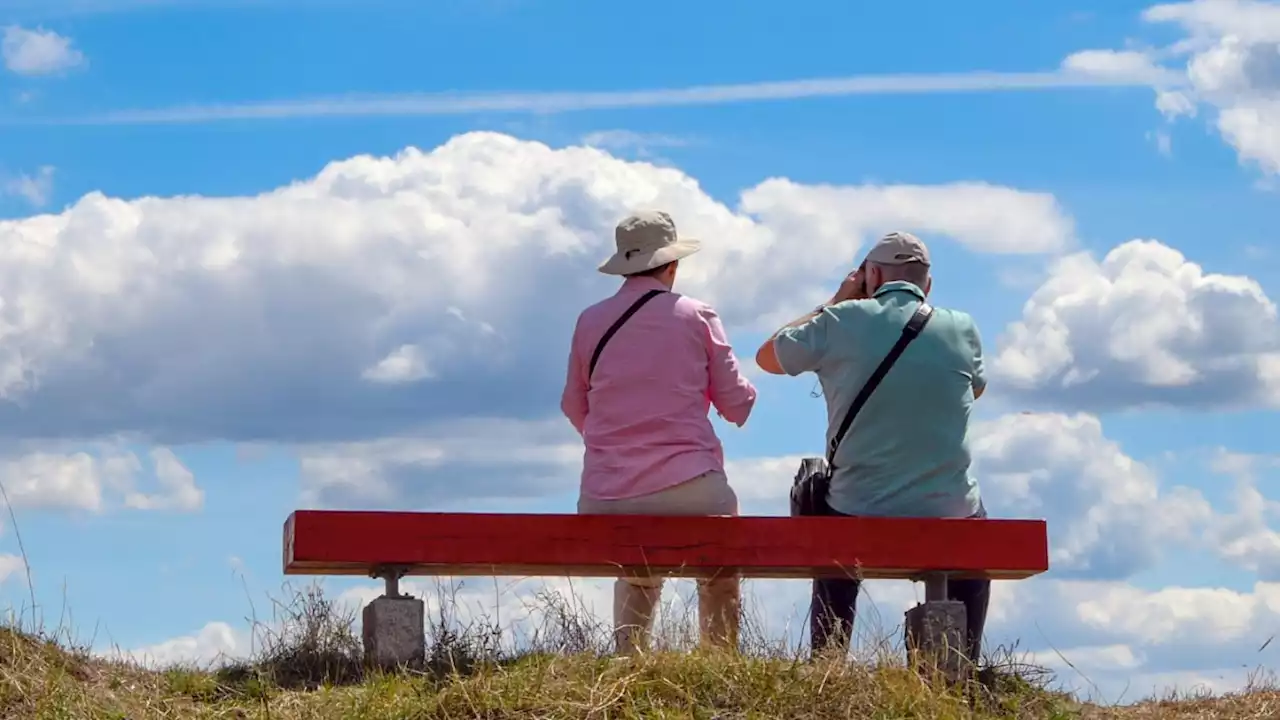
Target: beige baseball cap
pixel 647 240
pixel 898 248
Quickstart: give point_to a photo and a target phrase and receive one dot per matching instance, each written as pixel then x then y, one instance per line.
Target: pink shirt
pixel 644 419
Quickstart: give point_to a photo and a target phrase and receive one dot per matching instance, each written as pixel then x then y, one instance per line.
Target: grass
pixel 308 665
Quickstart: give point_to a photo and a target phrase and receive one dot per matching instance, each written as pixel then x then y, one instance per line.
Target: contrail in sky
pixel 551 102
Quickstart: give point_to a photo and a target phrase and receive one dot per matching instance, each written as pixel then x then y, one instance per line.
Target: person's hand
pixel 854 286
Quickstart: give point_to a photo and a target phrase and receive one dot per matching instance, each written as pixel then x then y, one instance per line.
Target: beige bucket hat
pixel 647 240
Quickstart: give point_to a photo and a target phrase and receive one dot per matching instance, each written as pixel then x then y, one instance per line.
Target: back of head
pixel 898 256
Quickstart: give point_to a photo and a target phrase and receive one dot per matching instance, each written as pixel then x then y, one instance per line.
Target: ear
pixel 875 278
pixel 928 285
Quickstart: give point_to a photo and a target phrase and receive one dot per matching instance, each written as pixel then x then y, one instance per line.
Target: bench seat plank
pixel 337 542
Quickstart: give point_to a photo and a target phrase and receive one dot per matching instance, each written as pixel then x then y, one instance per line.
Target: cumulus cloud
pixel 176 486
pixel 214 644
pixel 1131 65
pixel 1108 517
pixel 1228 60
pixel 1143 326
pixel 1245 535
pixel 96 478
pixel 38 52
pixel 388 293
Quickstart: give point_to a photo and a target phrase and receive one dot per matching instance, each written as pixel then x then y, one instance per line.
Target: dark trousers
pixel 835 602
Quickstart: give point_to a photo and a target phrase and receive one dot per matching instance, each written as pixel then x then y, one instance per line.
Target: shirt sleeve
pixel 802 348
pixel 573 400
pixel 730 391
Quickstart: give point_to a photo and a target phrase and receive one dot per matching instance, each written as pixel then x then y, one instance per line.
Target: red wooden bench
pixel 392 545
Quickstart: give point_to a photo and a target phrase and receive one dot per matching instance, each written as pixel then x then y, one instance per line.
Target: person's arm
pixel 573 400
pixel 767 355
pixel 797 347
pixel 731 393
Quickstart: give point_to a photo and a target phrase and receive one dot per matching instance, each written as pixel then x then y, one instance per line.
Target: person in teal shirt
pixel 906 453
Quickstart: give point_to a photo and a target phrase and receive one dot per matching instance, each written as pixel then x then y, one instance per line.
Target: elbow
pixel 767 359
pixel 740 411
pixel 574 412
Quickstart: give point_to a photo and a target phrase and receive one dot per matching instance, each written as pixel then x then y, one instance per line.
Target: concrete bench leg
pixel 394 630
pixel 936 631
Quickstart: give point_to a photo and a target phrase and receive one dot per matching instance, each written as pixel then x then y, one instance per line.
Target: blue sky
pixel 164 290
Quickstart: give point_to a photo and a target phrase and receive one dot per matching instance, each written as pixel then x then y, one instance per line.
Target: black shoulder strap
pixel 913 328
pixel 608 334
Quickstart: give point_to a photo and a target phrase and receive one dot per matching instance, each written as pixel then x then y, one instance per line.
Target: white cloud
pixel 982 217
pixel 1245 536
pixel 95 479
pixel 763 485
pixel 38 51
pixel 1129 65
pixel 213 644
pixel 1144 326
pixel 1254 130
pixel 477 254
pixel 406 363
pixel 1127 642
pixel 177 486
pixel 35 189
pixel 1232 65
pixel 1207 20
pixel 1108 517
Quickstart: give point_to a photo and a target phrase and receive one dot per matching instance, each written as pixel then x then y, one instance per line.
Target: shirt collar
pixel 899 285
pixel 641 284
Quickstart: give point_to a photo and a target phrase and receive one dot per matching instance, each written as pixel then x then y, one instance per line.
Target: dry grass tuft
pixel 309 666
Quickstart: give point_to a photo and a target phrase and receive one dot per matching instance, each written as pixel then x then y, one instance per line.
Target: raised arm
pixel 799 345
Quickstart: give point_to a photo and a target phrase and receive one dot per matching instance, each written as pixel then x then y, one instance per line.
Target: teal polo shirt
pixel 907 452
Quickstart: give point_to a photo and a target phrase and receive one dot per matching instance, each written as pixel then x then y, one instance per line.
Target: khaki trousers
pixel 635 599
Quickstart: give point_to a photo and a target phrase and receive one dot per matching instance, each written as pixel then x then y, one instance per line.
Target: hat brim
pixel 619 264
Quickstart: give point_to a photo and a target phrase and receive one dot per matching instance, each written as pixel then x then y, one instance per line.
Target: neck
pixel 665 281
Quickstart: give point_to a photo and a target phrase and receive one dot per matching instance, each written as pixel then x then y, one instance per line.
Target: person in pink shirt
pixel 645 366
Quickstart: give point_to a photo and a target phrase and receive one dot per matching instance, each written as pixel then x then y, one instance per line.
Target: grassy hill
pixel 309 667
